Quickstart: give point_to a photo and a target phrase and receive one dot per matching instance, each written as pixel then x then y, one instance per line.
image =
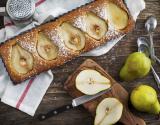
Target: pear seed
pixel 23 62
pixel 97 29
pixel 75 40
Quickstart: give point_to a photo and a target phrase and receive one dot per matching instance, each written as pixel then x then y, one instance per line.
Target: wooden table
pixel 112 62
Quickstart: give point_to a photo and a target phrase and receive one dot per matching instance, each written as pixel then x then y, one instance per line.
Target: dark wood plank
pixel 112 62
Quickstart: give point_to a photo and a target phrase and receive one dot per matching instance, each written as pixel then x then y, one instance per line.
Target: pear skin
pixel 137 65
pixel 155 108
pixel 125 75
pixel 144 99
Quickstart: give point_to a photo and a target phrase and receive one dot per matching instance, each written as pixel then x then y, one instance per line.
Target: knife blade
pixel 83 99
pixel 75 102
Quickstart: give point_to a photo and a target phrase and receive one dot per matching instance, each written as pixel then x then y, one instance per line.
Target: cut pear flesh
pixel 46 48
pixel 73 37
pixel 91 82
pixel 108 112
pixel 95 26
pixel 21 60
pixel 117 16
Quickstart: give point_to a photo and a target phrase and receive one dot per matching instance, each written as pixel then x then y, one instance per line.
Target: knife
pixel 75 102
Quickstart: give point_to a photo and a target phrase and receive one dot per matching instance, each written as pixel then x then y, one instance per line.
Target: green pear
pixel 144 99
pixel 137 65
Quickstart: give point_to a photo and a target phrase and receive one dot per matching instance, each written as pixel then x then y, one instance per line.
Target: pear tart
pixel 45 48
pixel 56 42
pixel 21 60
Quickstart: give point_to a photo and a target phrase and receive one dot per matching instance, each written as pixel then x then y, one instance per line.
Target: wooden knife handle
pixel 129 118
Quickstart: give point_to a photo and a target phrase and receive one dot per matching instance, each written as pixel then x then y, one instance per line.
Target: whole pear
pixel 137 65
pixel 144 99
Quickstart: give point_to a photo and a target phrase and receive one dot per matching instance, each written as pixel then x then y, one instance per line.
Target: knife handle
pixel 54 112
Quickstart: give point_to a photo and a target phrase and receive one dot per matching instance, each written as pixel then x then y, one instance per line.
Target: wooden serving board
pixel 117 91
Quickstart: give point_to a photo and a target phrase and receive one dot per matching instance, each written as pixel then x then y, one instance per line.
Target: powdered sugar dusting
pixel 101 12
pixel 112 33
pixel 55 36
pixel 27 42
pixel 80 23
pixel 29 46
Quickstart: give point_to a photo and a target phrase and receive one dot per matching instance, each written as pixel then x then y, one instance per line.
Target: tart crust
pixel 28 39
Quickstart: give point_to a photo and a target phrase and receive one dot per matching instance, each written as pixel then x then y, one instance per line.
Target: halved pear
pixel 108 111
pixel 95 26
pixel 46 48
pixel 117 16
pixel 91 82
pixel 73 37
pixel 21 60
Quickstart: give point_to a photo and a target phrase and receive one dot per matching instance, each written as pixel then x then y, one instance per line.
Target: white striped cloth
pixel 28 95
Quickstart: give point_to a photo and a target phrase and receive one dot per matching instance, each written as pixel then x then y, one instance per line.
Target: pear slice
pixel 95 26
pixel 21 60
pixel 73 37
pixel 46 48
pixel 108 112
pixel 91 82
pixel 117 16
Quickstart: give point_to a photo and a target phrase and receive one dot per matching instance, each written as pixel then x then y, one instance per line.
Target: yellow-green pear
pixel 137 65
pixel 144 99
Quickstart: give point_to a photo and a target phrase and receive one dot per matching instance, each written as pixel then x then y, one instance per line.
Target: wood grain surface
pixel 117 91
pixel 112 62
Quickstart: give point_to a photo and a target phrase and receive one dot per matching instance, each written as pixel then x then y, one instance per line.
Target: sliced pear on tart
pixel 95 26
pixel 117 16
pixel 21 60
pixel 46 48
pixel 91 82
pixel 73 37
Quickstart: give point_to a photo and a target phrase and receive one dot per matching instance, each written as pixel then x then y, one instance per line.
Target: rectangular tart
pixel 56 42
